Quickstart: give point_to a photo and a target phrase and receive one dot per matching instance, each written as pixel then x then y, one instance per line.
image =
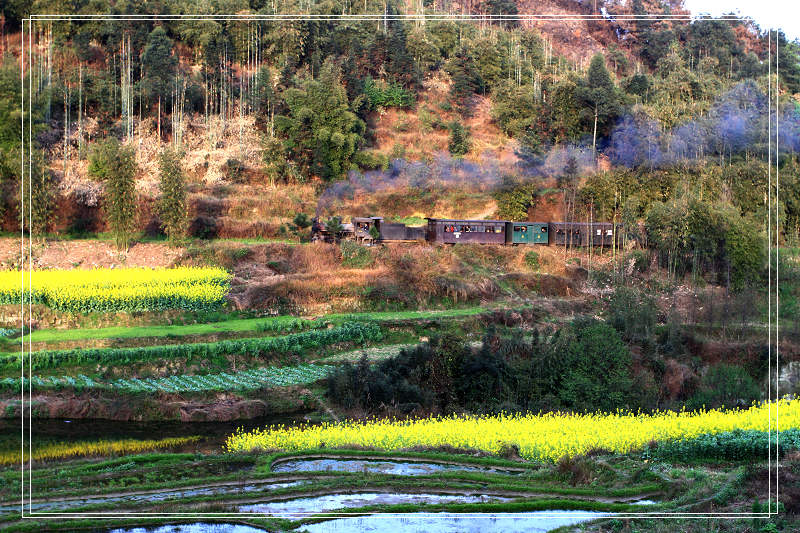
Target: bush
pixel 172 204
pixel 725 385
pixel 370 160
pixel 637 260
pixel 391 95
pixel 355 255
pixel 234 170
pixel 514 199
pixel 459 139
pixel 632 313
pixel 532 260
pixel 589 346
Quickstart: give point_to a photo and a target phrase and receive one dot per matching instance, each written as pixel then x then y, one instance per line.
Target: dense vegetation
pixel 679 100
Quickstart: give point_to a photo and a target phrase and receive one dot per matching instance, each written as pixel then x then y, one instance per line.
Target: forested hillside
pixel 275 118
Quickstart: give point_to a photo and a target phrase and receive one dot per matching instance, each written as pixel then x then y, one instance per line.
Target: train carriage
pixel 527 233
pixel 584 234
pixel 371 230
pixel 386 231
pixel 453 231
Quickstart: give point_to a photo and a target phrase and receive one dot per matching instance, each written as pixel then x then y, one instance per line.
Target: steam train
pixel 373 230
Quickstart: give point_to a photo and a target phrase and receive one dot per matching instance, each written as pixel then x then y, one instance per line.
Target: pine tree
pixel 159 65
pixel 602 102
pixel 320 131
pixel 466 81
pixel 459 139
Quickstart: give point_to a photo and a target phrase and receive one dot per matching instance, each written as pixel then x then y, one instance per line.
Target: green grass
pixel 235 325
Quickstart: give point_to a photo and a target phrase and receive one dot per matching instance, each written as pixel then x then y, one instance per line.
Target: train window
pixel 599 232
pixel 489 229
pixel 609 232
pixel 519 228
pixel 498 229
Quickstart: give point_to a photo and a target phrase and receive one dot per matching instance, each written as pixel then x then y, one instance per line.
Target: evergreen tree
pixel 159 68
pixel 466 80
pixel 602 102
pixel 115 165
pixel 459 139
pixel 320 131
pixel 400 65
pixel 172 204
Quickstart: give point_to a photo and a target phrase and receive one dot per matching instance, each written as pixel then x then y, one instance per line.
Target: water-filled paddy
pixel 154 496
pixel 404 468
pixel 532 522
pixel 332 502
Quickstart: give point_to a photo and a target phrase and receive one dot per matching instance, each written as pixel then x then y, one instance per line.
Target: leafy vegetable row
pixel 296 343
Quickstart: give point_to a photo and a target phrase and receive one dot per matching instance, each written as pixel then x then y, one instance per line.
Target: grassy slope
pixel 247 324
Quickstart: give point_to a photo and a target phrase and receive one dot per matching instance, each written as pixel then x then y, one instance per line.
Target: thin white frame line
pixel 357 17
pixel 22 270
pixel 769 264
pixel 777 261
pixel 30 247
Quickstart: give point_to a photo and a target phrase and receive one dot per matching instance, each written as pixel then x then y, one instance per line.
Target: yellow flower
pixel 548 436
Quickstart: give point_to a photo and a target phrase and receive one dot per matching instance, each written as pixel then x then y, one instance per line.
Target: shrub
pixel 234 170
pixel 725 385
pixel 514 199
pixel 391 95
pixel 589 346
pixel 355 255
pixel 459 139
pixel 371 160
pixel 532 260
pixel 632 313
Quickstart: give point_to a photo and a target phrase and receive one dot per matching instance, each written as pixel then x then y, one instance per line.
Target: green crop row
pixel 296 343
pixel 247 380
pixel 738 445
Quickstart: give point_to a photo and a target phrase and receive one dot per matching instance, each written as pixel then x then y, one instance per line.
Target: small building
pixel 527 233
pixel 453 231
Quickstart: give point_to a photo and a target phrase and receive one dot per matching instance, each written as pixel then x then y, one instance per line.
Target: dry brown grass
pixel 420 141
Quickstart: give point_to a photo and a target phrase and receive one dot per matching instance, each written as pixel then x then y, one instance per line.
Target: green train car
pixel 527 233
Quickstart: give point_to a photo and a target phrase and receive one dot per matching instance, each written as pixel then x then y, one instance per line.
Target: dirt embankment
pixel 145 408
pixel 87 254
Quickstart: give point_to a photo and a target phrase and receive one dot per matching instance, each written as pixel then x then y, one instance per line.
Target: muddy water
pixel 410 468
pixel 532 522
pixel 330 502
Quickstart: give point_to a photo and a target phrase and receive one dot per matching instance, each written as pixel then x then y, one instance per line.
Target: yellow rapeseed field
pixel 102 447
pixel 544 436
pixel 122 289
